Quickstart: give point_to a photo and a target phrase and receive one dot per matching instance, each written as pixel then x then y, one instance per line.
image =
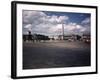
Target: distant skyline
pixel 50 23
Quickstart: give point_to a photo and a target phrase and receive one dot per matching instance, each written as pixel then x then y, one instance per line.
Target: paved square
pixel 55 54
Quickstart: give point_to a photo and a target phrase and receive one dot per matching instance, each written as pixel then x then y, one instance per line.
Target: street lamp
pixel 63 31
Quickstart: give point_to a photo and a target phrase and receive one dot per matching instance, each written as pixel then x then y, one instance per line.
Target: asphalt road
pixel 55 54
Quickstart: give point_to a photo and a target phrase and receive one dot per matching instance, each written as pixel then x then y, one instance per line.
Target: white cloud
pixel 41 23
pixel 73 28
pixel 87 25
pixel 28 26
pixel 55 28
pixel 86 21
pixel 30 17
pixel 62 19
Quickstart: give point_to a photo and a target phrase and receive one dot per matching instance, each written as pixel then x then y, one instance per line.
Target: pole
pixel 63 31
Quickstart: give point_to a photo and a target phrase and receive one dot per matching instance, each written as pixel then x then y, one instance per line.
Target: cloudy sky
pixel 50 23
